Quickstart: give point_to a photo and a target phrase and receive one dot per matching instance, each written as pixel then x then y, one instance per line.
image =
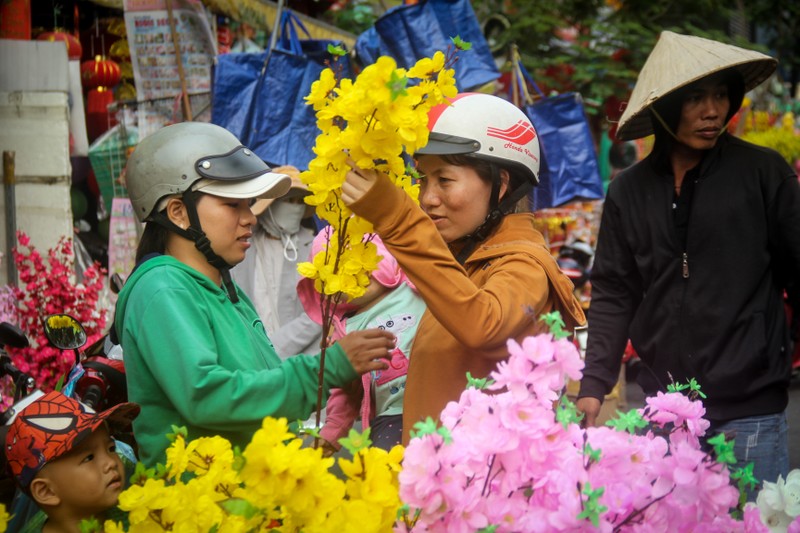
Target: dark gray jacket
pixel 713 311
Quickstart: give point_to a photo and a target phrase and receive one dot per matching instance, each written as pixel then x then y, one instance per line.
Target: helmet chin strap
pixel 497 210
pixel 196 234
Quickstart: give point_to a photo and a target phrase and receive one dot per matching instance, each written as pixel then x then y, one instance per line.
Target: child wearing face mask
pixel 268 275
pixel 391 302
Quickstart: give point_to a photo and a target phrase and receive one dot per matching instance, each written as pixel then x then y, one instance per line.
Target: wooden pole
pixel 187 107
pixel 9 182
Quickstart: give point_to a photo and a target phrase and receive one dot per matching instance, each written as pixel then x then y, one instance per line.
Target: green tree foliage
pixel 781 23
pixel 597 47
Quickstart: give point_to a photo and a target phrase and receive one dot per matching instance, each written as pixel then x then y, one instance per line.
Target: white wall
pixel 34 124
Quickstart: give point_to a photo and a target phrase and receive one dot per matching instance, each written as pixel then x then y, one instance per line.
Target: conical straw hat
pixel 678 60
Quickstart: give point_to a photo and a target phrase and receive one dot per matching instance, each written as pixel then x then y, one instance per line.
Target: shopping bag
pixel 409 33
pixel 259 97
pixel 568 169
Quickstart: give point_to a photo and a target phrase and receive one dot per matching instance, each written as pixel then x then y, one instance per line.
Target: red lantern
pixel 98 100
pixel 15 19
pixel 98 119
pixel 100 72
pixel 74 48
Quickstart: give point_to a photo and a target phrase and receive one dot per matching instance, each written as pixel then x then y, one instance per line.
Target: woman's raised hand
pixel 368 349
pixel 357 182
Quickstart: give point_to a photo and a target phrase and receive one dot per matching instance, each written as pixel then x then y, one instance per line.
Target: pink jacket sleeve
pixel 341 412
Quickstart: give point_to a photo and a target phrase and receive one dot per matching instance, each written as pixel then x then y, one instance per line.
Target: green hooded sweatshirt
pixel 195 359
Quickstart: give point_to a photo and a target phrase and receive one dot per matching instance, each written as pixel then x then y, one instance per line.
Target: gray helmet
pixel 200 156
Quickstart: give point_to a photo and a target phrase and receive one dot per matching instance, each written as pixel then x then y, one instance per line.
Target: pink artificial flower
pixel 678 409
pixel 752 519
pixel 569 358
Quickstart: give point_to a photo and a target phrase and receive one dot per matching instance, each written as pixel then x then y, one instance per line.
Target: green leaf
pixel 744 479
pixel 412 171
pixel 60 383
pixel 403 513
pixel 460 43
pixel 695 387
pixel 723 449
pixel 90 525
pixel 397 85
pixel 238 459
pixel 178 431
pixel 428 427
pixel 745 475
pixel 336 50
pixel 555 323
pixel 354 442
pixel 314 432
pixel 161 471
pixel 591 506
pixel 594 455
pixel 567 413
pixel 630 421
pixel 142 474
pixel 239 507
pixel 488 529
pixel 478 383
pixel 676 387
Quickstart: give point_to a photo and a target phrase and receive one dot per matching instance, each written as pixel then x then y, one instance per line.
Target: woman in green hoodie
pixel 196 352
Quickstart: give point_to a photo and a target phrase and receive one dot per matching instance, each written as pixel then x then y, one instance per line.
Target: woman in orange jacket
pixel 483 270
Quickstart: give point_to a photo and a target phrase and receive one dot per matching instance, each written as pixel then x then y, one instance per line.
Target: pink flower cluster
pixel 45 288
pixel 509 458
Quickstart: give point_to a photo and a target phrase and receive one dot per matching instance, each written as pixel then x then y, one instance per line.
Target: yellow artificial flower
pixel 109 526
pixel 177 458
pixel 140 500
pixel 4 518
pixel 234 524
pixel 787 121
pixel 427 66
pixel 377 120
pixel 321 89
pixel 213 457
pixel 193 507
pixel 380 144
pixel 373 479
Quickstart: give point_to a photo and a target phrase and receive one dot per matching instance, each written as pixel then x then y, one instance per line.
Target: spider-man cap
pixel 50 427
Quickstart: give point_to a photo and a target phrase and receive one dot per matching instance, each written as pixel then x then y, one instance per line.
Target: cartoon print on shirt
pixel 397 324
pixel 398 365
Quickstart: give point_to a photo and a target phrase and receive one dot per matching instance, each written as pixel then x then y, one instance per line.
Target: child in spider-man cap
pixel 60 452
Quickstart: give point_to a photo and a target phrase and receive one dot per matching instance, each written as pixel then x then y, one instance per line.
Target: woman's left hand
pixel 357 183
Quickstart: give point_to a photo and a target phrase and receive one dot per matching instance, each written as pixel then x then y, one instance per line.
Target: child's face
pixel 375 291
pixel 89 478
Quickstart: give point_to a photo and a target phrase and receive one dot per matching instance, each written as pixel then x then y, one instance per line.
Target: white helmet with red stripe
pixel 487 127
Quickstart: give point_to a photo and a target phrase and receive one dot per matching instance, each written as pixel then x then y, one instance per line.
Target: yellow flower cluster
pixel 378 120
pixel 276 485
pixel 772 131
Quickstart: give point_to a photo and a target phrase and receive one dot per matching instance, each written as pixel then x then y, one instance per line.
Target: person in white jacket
pixel 268 275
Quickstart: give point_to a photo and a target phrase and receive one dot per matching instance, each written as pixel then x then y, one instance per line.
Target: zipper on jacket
pixel 685 265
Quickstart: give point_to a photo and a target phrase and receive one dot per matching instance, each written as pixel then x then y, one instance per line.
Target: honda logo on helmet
pixel 520 133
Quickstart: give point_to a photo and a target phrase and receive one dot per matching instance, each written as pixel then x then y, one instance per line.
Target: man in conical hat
pixel 697 244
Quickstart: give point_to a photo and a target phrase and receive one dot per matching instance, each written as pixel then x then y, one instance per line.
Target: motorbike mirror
pixel 64 332
pixel 11 335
